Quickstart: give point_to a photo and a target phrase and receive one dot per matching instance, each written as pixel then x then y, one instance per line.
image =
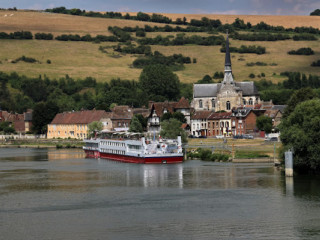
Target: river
pixel 58 194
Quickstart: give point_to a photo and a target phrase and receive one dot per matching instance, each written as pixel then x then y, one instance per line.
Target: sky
pixel 251 7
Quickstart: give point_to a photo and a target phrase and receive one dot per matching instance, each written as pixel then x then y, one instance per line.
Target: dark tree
pixel 300 132
pixel 264 123
pixel 159 80
pixel 315 13
pixel 298 97
pixel 43 114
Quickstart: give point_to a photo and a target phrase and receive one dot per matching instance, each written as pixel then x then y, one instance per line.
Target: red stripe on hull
pixel 92 154
pixel 132 159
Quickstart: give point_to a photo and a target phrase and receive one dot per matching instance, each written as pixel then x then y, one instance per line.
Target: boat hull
pixel 132 159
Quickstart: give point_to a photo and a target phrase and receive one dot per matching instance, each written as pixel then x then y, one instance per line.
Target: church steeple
pixel 228 79
pixel 227 65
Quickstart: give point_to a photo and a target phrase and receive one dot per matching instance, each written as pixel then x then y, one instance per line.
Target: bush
pixel 49 61
pixel 246 49
pixel 316 64
pixel 25 59
pixel 251 75
pixel 302 51
pixel 43 36
pixel 207 155
pixel 140 33
pixel 304 37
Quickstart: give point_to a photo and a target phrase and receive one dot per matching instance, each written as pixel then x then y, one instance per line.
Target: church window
pixel 213 103
pixel 244 101
pixel 200 103
pixel 228 105
pixel 250 101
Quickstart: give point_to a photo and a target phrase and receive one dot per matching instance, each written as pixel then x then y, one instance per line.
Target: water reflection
pixel 65 196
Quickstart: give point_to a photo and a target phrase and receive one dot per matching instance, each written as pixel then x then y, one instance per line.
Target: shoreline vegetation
pixel 245 151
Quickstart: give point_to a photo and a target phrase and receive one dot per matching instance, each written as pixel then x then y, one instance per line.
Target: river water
pixel 58 194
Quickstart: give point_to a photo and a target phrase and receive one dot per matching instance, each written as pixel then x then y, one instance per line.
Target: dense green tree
pixel 300 132
pixel 143 120
pixel 179 116
pixel 135 125
pixel 264 123
pixel 94 127
pixel 43 114
pixel 166 116
pixel 6 127
pixel 315 13
pixel 171 129
pixel 159 80
pixel 298 97
pixel 205 79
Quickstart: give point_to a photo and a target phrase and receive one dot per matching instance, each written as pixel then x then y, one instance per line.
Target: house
pixel 243 120
pixel 157 109
pixel 219 123
pixel 74 124
pixel 275 113
pixel 22 123
pixel 199 123
pixel 121 116
pixel 226 95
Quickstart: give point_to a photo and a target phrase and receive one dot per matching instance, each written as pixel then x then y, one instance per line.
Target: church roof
pixel 212 89
pixel 206 90
pixel 247 88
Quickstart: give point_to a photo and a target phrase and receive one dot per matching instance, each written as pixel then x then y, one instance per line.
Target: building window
pixel 227 124
pixel 244 101
pixel 222 124
pixel 208 124
pixel 213 103
pixel 250 101
pixel 200 103
pixel 228 105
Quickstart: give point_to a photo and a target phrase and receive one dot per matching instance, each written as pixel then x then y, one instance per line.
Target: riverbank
pixel 41 143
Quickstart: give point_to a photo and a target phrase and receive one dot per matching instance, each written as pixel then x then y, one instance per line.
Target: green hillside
pixel 82 59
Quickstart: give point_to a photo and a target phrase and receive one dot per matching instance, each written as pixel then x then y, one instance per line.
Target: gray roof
pixel 206 90
pixel 212 89
pixel 248 88
pixel 279 107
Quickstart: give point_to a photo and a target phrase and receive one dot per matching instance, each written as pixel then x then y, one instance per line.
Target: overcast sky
pixel 259 7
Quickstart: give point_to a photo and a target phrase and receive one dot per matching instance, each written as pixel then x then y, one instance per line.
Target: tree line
pixel 246 49
pixel 205 23
pixel 50 96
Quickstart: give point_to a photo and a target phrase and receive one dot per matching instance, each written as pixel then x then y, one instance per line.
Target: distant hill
pixel 82 59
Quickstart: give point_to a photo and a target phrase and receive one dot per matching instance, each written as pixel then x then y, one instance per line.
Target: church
pixel 226 95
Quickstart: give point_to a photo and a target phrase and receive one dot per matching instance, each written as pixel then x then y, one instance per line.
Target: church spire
pixel 228 79
pixel 228 59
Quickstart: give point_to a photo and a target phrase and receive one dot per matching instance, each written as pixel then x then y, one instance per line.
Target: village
pixel 217 110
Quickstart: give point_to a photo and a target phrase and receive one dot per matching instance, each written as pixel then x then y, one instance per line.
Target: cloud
pixel 36 6
pixel 124 9
pixel 228 12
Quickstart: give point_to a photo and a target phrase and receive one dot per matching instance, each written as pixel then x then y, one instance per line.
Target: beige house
pixel 75 124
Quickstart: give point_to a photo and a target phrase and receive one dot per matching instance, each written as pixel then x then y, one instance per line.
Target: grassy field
pixel 242 147
pixel 81 59
pixel 275 20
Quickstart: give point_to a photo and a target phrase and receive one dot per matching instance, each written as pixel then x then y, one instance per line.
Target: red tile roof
pixel 81 117
pixel 220 115
pixel 201 114
pixel 183 103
